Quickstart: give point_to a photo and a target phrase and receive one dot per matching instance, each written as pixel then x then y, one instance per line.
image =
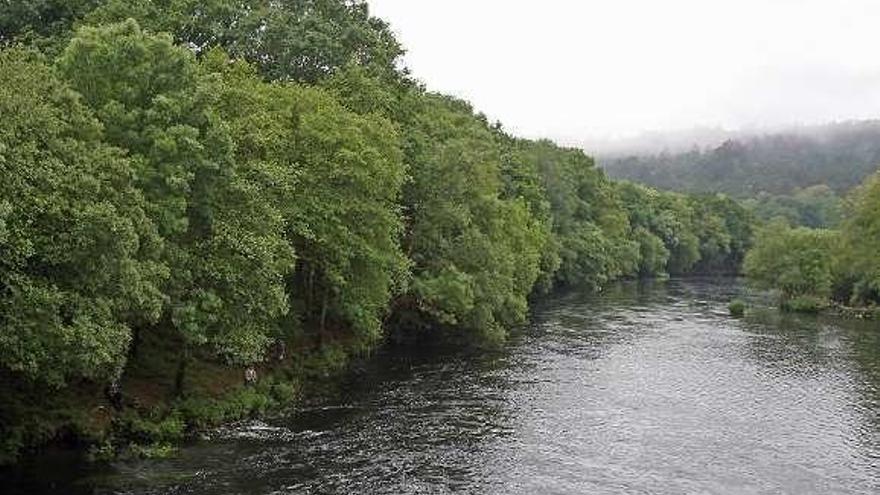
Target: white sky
pixel 590 69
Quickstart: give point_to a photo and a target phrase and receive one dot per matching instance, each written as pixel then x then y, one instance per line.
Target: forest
pixel 814 195
pixel 192 189
pixel 800 174
pixel 815 268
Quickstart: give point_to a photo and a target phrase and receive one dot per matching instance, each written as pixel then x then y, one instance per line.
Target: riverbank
pixel 155 414
pixel 157 407
pixel 641 378
pixel 855 313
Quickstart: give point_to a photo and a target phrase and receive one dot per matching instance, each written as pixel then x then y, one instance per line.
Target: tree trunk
pixel 180 376
pixel 323 318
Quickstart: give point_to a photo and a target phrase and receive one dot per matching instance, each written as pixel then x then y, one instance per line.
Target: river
pixel 643 389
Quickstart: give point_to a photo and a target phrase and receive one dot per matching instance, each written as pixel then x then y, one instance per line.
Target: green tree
pixel 521 178
pixel 224 244
pixel 797 261
pixel 475 254
pixel 653 255
pixel 675 225
pixel 590 225
pixel 815 207
pixel 861 241
pixel 336 177
pixel 641 204
pixel 78 255
pixel 724 230
pixel 301 40
pixel 46 23
pixel 798 167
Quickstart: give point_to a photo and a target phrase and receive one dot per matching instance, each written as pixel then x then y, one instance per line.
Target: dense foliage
pixel 334 177
pixel 814 206
pixel 824 264
pixel 184 181
pixel 475 254
pixel 794 174
pixel 859 277
pixel 79 258
pixel 798 261
pixel 679 234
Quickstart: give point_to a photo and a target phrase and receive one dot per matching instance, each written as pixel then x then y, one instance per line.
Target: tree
pixel 300 40
pixel 46 23
pixel 641 204
pixel 475 254
pixel 724 230
pixel 797 261
pixel 861 239
pixel 78 255
pixel 521 178
pixel 223 244
pixel 675 225
pixel 815 207
pixel 786 164
pixel 335 176
pixel 653 255
pixel 590 226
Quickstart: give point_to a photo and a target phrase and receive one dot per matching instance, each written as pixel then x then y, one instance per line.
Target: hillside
pixel 838 155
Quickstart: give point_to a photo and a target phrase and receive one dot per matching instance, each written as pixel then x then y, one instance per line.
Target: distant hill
pixel 654 142
pixel 838 155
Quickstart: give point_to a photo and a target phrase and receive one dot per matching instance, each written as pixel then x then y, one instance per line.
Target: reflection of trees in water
pixel 863 340
pixel 449 418
pixel 802 344
pixel 452 418
pixel 840 353
pixel 587 323
pixel 789 344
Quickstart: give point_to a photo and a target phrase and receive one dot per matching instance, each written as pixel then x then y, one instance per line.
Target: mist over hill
pixel 839 155
pixel 655 142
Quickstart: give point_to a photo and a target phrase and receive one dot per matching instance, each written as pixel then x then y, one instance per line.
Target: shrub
pixel 737 308
pixel 804 304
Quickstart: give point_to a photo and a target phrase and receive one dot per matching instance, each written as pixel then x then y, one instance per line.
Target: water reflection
pixel 643 389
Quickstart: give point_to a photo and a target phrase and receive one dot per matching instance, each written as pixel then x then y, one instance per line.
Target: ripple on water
pixel 643 389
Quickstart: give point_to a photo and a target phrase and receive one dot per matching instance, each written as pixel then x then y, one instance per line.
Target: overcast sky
pixel 578 70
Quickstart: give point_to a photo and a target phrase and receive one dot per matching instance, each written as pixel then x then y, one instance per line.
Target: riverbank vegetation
pixel 814 269
pixel 192 189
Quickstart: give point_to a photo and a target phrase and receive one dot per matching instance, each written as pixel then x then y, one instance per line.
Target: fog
pixel 594 72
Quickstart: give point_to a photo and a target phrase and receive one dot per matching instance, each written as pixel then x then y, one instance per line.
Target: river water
pixel 644 389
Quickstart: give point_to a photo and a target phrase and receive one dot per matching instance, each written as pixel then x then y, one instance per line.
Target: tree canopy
pixel 839 264
pixel 223 243
pixel 229 176
pixel 796 174
pixel 79 256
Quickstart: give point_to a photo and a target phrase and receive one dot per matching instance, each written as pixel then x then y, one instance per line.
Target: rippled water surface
pixel 645 389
